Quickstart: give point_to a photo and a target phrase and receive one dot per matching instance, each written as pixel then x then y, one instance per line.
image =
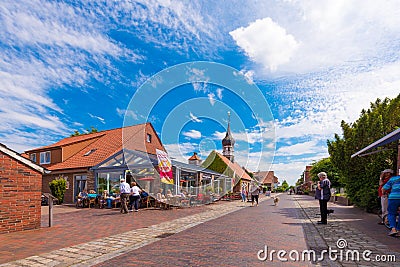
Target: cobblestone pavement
pixel 221 234
pixel 349 230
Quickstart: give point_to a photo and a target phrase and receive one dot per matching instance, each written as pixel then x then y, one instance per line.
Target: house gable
pixel 221 164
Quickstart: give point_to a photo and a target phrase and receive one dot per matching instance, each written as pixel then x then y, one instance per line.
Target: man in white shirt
pixel 124 190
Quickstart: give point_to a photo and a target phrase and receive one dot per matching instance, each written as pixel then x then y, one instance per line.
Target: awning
pixel 146 178
pixel 393 136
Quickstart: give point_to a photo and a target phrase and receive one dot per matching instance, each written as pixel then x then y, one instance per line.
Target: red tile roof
pixel 71 140
pixel 103 145
pixel 266 177
pixel 239 171
pixel 194 157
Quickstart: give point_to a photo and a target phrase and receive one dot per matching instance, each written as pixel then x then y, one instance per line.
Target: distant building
pixel 238 176
pixel 307 182
pixel 267 178
pixel 20 192
pixel 195 159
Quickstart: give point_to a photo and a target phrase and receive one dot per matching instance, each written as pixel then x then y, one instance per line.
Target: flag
pixel 164 167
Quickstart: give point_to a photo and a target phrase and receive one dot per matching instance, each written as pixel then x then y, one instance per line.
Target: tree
pixel 285 185
pixel 88 131
pixel 58 187
pixel 360 175
pixel 325 165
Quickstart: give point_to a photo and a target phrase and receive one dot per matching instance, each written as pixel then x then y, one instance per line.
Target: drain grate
pixel 164 235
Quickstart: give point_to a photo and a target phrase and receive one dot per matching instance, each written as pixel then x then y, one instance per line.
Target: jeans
pixel 392 213
pixel 134 202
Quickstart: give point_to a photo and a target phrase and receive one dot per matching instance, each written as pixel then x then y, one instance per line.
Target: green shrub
pixel 58 187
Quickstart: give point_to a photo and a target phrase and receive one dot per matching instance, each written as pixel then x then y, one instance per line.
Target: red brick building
pixel 20 192
pixel 267 178
pixel 78 159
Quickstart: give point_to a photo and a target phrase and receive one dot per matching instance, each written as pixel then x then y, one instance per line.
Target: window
pixel 90 152
pixel 45 157
pixel 33 157
pixel 148 138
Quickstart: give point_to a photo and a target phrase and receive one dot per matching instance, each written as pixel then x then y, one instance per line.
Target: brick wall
pixel 20 195
pixel 69 197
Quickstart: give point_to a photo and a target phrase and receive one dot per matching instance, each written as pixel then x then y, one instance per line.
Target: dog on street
pixel 276 201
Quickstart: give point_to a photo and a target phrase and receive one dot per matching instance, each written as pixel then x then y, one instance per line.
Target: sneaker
pixel 393 232
pixel 130 210
pixel 136 210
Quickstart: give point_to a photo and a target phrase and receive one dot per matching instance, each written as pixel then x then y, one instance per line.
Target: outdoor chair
pixel 81 202
pixel 92 201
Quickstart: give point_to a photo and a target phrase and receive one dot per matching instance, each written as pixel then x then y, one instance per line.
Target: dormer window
pixel 33 157
pixel 148 138
pixel 45 157
pixel 90 152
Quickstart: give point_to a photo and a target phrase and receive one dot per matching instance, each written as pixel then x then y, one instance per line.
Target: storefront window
pixel 108 181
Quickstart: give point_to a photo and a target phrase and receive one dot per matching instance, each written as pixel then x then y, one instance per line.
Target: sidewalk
pixel 350 227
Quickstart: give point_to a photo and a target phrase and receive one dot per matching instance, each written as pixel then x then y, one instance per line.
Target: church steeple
pixel 228 142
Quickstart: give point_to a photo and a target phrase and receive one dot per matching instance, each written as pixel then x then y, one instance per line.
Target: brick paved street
pixel 221 234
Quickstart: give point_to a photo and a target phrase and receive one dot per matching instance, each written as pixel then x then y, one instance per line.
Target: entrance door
pixel 79 185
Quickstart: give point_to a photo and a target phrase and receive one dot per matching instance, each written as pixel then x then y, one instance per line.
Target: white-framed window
pixel 33 157
pixel 45 157
pixel 148 138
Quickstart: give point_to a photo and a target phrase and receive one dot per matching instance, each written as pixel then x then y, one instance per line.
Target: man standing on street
pixel 124 190
pixel 385 176
pixel 323 194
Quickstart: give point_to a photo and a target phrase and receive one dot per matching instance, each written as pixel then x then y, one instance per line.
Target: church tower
pixel 228 142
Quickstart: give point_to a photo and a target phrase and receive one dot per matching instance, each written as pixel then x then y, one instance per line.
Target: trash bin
pixel 109 202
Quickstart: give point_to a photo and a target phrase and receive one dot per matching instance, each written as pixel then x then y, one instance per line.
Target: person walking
pixel 323 194
pixel 125 191
pixel 393 203
pixel 134 197
pixel 255 192
pixel 383 179
pixel 243 193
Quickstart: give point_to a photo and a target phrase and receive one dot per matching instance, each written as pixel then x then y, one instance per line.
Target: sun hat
pixel 387 170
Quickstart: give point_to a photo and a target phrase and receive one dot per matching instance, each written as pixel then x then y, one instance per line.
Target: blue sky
pixel 70 65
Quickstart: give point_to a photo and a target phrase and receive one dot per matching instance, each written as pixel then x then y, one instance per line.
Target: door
pixel 79 184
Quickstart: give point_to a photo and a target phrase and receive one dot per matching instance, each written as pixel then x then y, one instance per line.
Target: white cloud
pixel 265 42
pixel 180 151
pixel 192 134
pixel 310 147
pixel 97 117
pixel 219 93
pixel 194 118
pixel 211 98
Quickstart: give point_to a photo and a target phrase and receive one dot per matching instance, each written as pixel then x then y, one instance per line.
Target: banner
pixel 164 167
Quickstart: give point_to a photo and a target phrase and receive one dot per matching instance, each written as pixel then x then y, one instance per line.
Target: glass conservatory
pixel 142 168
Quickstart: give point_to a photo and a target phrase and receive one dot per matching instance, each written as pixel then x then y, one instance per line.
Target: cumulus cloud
pixel 192 134
pixel 265 42
pixel 180 151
